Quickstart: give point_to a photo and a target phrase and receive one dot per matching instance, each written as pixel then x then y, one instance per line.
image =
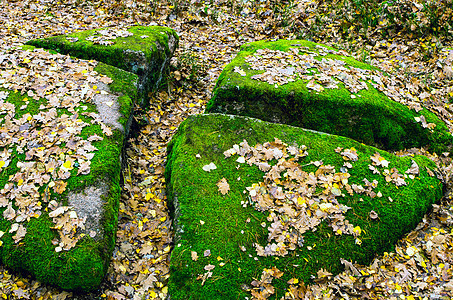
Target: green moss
pixel 138 53
pixel 371 117
pixel 194 197
pixel 83 267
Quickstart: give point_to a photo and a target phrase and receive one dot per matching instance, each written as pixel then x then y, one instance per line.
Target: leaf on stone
pixel 350 154
pixel 209 167
pixel 59 211
pixel 9 213
pixel 373 215
pixel 209 267
pixel 240 71
pixel 223 185
pixel 106 80
pixel 60 186
pixel 413 169
pixel 20 233
pixel 350 266
pixel 323 273
pixel 378 160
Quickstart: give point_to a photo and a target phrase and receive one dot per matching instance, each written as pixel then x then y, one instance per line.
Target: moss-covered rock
pixel 143 50
pixel 217 230
pixel 309 85
pixel 62 130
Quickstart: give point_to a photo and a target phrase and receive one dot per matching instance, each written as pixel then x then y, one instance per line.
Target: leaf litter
pixel 298 201
pixel 419 267
pixel 65 84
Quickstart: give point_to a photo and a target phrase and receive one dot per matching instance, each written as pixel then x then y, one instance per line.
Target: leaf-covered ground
pixel 409 39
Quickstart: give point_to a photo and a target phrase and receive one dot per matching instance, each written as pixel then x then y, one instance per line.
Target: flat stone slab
pixel 143 50
pixel 250 196
pixel 309 85
pixel 63 123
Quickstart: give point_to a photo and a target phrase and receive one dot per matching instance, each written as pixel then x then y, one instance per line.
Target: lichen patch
pixel 88 204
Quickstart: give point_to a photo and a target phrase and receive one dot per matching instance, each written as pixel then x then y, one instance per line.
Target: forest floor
pixel 211 33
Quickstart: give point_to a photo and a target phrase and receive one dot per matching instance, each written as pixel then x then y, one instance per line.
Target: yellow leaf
pixel 2 163
pixel 67 164
pixel 300 200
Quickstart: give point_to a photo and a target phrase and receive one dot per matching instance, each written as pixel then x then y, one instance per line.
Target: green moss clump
pixel 83 267
pixel 194 197
pixel 145 53
pixel 371 117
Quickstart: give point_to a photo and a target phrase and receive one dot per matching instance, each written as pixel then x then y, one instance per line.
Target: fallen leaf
pixel 223 185
pixel 373 215
pixel 209 167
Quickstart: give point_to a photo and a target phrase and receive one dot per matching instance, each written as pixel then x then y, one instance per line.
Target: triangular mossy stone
pixel 216 201
pixel 143 50
pixel 63 123
pixel 309 85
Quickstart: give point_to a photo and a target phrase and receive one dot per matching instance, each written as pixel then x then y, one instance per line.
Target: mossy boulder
pixel 219 226
pixel 313 86
pixel 63 124
pixel 143 50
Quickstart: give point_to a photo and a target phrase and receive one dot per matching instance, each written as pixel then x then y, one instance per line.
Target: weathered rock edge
pixel 146 53
pixel 371 117
pixel 206 220
pixel 95 196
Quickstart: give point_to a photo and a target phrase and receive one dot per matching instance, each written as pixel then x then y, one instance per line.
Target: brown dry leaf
pixel 60 186
pixel 323 273
pixel 209 267
pixel 194 255
pixel 223 185
pixel 413 169
pixel 9 213
pixel 373 215
pixel 20 233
